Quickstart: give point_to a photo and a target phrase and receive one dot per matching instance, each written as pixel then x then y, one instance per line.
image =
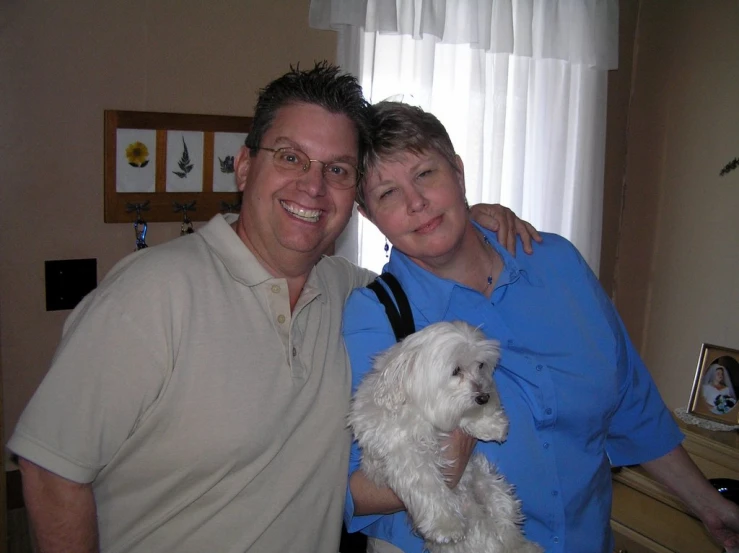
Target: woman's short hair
pixel 396 128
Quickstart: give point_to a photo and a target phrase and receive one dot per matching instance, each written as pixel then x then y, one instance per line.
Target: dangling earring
pixel 386 248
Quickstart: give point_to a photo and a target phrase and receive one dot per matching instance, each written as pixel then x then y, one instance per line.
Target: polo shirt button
pixel 281 319
pixel 546 445
pixel 555 539
pixel 555 493
pixel 548 411
pixel 295 352
pixel 276 289
pixel 539 367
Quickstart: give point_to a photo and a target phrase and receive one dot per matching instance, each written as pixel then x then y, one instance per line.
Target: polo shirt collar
pixel 240 262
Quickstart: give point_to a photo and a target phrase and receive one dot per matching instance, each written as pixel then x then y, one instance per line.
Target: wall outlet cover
pixel 68 281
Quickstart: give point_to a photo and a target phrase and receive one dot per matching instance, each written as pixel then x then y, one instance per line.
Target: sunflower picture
pixel 137 154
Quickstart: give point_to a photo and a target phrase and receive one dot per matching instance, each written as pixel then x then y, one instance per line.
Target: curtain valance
pixel 577 31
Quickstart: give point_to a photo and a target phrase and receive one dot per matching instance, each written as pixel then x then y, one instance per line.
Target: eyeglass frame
pixel 306 167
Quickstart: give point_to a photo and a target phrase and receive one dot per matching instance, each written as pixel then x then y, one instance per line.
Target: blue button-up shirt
pixel 577 394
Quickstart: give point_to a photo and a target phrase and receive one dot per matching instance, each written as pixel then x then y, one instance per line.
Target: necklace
pixel 490 276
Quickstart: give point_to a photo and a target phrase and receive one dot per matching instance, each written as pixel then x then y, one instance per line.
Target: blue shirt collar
pixel 433 295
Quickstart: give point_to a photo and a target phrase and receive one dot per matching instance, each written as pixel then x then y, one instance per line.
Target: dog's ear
pixel 394 367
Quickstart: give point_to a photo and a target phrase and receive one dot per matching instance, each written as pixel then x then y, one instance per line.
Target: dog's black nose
pixel 482 399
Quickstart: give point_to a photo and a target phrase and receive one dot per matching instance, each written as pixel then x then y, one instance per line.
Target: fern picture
pixel 184 162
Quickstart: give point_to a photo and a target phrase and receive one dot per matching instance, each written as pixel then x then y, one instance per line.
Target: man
pixel 197 400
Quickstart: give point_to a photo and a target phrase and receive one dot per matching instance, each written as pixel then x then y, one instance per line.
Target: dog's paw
pixel 490 428
pixel 447 530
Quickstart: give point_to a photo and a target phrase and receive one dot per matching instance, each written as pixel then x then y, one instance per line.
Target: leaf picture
pixel 227 164
pixel 184 162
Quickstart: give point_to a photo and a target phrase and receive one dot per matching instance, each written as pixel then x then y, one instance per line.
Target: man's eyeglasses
pixel 339 174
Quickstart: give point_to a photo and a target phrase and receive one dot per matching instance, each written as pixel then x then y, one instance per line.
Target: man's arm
pixel 62 513
pixel 506 225
pixel 678 472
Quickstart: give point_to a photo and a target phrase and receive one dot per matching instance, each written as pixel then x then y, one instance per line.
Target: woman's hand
pixel 506 225
pixel 679 473
pixel 722 522
pixel 457 449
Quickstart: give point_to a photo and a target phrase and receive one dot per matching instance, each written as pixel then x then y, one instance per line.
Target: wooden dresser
pixel 646 518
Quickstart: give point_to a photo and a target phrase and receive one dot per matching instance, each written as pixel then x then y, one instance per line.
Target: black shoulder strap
pixel 401 317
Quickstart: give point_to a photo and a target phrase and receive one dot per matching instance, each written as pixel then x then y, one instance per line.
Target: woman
pixel 718 391
pixel 578 397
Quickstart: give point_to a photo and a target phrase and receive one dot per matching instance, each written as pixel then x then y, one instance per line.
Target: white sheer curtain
pixel 519 84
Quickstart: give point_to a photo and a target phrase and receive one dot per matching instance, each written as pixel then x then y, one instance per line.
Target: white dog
pixel 422 388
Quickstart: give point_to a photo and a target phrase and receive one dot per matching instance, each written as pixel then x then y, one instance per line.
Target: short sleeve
pixel 107 371
pixel 641 428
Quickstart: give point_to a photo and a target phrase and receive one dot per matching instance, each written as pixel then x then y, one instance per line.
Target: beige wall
pixel 677 282
pixel 61 64
pixel 619 95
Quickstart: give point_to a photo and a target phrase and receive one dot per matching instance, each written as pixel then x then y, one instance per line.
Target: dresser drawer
pixel 664 524
pixel 646 518
pixel 629 541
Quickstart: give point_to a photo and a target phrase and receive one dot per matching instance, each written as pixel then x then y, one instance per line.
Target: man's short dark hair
pixel 324 85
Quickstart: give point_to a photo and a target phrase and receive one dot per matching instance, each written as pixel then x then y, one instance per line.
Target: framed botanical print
pixel 170 162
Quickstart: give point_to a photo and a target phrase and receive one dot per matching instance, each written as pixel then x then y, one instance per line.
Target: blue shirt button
pixel 548 411
pixel 510 342
pixel 539 367
pixel 546 445
pixel 555 539
pixel 555 493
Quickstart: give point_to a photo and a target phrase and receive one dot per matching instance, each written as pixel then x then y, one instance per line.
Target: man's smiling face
pixel 298 215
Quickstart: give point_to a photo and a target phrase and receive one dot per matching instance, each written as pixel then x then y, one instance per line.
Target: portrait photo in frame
pixel 714 393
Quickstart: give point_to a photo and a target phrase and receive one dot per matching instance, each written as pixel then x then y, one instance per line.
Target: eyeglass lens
pixel 338 173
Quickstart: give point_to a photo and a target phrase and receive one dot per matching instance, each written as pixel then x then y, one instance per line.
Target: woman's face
pixel 418 202
pixel 719 376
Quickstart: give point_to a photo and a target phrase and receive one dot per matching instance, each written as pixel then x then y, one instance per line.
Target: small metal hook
pixel 186 226
pixel 139 225
pixel 230 208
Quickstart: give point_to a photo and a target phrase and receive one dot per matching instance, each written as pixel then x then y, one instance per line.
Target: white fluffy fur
pixel 419 390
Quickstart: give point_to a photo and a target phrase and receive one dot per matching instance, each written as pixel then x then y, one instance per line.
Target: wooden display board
pixel 168 162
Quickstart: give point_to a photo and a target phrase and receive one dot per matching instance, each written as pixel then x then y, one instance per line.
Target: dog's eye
pixel 456 371
pixel 481 366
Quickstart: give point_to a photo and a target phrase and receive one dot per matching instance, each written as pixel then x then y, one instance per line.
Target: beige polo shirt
pixel 207 416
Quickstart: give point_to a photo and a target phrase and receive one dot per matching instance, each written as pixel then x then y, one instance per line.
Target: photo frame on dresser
pixel 715 393
pixel 170 164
